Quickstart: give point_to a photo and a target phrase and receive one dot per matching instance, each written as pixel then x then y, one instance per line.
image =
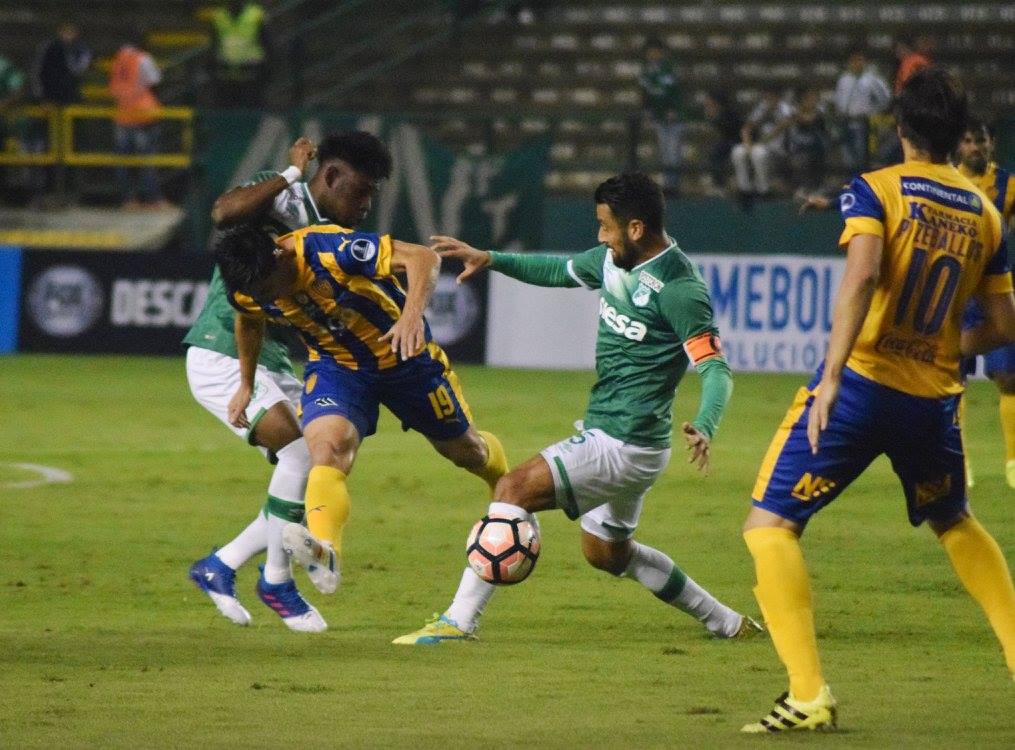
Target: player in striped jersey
pixel 368 344
pixel 920 241
pixel 975 161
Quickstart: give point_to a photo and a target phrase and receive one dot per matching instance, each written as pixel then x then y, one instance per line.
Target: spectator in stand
pixel 859 93
pixel 761 142
pixel 911 58
pixel 661 104
pixel 131 79
pixel 241 53
pixel 60 64
pixel 725 123
pixel 807 144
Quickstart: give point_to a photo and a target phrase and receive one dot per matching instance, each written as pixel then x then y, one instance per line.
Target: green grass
pixel 105 642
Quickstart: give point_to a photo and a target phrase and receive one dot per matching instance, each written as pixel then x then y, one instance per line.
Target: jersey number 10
pixel 929 314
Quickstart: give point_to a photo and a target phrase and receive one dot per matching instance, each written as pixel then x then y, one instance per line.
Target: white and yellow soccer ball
pixel 503 549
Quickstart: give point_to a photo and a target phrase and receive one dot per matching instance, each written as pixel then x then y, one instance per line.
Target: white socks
pixel 659 574
pixel 473 592
pixel 285 503
pixel 251 541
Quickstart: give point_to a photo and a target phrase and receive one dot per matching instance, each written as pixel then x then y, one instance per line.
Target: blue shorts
pixel 422 392
pixel 920 436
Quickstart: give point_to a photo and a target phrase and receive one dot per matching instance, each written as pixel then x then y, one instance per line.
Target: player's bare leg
pixel 476 451
pixel 981 567
pixel 333 442
pixel 784 595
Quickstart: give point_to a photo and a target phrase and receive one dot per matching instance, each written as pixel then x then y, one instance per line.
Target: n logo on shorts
pixel 812 487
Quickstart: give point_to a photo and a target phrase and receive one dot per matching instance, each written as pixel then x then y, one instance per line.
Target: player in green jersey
pixel 655 319
pixel 350 165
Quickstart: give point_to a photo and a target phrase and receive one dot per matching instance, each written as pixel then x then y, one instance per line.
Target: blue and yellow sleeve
pixel 355 253
pixel 246 305
pixel 862 210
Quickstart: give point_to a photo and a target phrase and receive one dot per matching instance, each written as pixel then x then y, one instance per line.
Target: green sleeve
pixel 584 269
pixel 716 389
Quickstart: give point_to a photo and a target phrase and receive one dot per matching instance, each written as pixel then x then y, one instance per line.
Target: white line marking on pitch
pixel 47 475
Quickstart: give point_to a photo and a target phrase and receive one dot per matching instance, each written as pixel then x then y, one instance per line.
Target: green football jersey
pixel 645 316
pixel 293 208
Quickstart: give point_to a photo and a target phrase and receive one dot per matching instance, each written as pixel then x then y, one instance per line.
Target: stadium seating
pixel 486 82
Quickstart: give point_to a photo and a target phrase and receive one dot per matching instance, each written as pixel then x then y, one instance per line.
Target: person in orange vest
pixel 131 78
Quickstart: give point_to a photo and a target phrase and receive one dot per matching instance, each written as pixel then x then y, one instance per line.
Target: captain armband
pixel 703 347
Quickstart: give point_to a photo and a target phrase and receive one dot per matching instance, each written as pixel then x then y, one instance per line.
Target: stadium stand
pixel 483 81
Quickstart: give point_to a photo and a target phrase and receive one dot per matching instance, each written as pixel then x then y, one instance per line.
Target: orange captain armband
pixel 703 347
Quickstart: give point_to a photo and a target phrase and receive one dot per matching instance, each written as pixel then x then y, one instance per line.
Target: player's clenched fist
pixel 474 260
pixel 301 153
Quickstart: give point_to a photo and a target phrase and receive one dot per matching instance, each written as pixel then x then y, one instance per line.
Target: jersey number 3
pixel 938 287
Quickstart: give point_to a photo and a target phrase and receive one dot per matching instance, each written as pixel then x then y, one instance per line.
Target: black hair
pixel 932 110
pixel 362 151
pixel 245 256
pixel 633 195
pixel 977 125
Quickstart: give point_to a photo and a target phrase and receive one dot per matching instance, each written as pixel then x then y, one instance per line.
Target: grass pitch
pixel 105 642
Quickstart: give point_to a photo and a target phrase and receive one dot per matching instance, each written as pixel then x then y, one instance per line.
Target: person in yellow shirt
pixel 974 158
pixel 920 241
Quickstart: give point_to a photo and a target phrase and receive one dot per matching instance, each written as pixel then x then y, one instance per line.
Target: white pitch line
pixel 47 475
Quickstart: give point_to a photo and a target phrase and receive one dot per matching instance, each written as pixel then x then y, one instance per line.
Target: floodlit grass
pixel 105 642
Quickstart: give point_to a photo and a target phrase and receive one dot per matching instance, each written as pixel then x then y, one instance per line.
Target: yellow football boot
pixel 437 630
pixel 789 713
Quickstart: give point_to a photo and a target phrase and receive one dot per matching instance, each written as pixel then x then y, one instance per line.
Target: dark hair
pixel 633 195
pixel 932 110
pixel 245 256
pixel 977 124
pixel 362 151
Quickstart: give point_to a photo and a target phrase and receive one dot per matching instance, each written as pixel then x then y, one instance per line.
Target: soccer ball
pixel 503 549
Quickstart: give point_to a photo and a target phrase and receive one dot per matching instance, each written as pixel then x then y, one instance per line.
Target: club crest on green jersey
pixel 641 295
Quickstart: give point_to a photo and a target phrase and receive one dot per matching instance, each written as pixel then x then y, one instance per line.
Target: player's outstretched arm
pixel 537 269
pixel 863 266
pixel 249 337
pixel 421 266
pixel 997 329
pixel 249 201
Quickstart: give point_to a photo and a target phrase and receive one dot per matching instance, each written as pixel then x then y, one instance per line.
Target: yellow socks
pixel 784 594
pixel 496 464
pixel 1008 430
pixel 981 567
pixel 327 505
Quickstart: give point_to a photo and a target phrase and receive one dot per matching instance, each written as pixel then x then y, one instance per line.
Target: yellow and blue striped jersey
pixel 997 184
pixel 943 243
pixel 345 297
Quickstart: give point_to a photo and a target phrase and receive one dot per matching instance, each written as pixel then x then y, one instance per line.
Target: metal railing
pixel 60 126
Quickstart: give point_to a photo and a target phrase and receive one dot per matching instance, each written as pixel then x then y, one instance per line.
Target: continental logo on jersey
pixel 933 490
pixel 811 487
pixel 946 195
pixel 622 324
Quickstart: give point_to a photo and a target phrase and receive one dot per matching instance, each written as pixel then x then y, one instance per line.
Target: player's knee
pixel 513 488
pixel 295 456
pixel 466 452
pixel 338 453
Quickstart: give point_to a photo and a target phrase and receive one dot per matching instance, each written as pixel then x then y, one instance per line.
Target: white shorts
pixel 603 480
pixel 214 378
